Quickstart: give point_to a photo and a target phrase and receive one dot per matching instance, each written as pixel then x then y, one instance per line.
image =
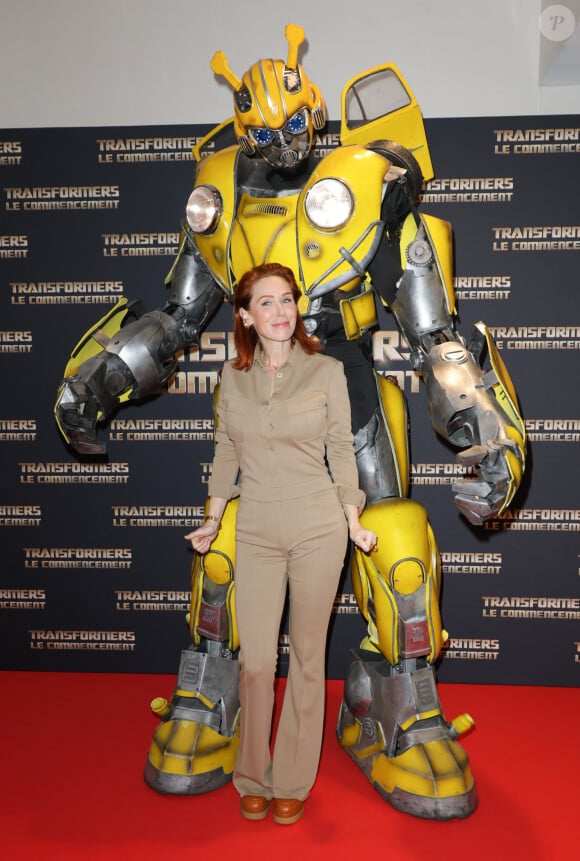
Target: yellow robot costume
pixel 348 224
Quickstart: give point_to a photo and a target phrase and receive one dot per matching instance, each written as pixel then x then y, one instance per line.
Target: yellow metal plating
pixel 271 103
pixel 394 409
pixel 441 240
pixel 403 124
pixel 218 567
pixel 362 171
pixel 187 748
pixel 359 313
pixel 261 229
pixel 219 172
pixel 406 558
pixel 438 769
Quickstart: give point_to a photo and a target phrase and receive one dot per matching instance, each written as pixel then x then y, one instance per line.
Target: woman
pixel 284 425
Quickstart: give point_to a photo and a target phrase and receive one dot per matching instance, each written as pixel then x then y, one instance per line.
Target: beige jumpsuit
pixel 291 532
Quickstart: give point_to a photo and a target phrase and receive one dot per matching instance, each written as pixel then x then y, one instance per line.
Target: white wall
pixel 132 62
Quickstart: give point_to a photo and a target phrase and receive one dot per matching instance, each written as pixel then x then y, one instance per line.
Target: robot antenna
pixel 295 36
pixel 219 65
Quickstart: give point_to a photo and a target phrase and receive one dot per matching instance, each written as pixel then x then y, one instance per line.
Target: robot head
pixel 277 108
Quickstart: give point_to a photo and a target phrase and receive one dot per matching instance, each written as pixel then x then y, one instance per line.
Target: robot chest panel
pixel 258 225
pixel 264 231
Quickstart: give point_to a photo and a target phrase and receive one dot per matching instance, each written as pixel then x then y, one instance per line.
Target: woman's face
pixel 272 310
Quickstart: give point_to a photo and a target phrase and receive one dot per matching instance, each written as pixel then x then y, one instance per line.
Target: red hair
pixel 246 339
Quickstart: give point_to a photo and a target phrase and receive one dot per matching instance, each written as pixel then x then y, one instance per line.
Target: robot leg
pixel 391 721
pixel 194 748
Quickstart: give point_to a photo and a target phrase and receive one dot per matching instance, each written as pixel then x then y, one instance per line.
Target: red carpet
pixel 75 745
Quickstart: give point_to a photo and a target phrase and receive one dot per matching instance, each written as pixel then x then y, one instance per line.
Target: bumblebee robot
pixel 348 225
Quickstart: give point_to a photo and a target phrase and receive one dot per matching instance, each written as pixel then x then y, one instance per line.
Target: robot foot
pixel 408 752
pixel 430 780
pixel 440 775
pixel 194 749
pixel 189 758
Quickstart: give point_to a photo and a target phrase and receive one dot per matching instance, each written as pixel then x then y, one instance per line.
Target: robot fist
pixel 77 412
pixel 499 469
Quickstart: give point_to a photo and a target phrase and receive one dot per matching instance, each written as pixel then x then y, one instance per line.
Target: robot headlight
pixel 204 208
pixel 329 204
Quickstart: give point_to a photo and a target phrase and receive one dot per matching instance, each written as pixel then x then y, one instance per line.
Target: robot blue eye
pixel 297 123
pixel 262 137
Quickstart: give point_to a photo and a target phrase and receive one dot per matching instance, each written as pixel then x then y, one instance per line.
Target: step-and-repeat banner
pixel 95 570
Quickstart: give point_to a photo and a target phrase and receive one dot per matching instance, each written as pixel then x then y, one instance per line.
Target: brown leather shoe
pixel 254 806
pixel 287 810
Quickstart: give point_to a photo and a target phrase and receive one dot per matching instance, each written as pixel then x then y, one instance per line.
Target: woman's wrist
pixel 214 511
pixel 210 520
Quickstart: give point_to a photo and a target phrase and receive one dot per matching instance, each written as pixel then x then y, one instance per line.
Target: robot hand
pixel 498 454
pixel 111 365
pixel 482 498
pixel 76 411
pixel 477 410
pixel 116 362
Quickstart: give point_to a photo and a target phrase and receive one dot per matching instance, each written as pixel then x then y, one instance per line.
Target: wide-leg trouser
pixel 300 544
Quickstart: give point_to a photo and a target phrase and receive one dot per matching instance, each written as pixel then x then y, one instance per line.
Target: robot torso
pixel 324 228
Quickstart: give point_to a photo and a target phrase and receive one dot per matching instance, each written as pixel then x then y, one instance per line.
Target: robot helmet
pixel 277 108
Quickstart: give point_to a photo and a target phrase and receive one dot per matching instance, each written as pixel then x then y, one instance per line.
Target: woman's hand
pixel 203 537
pixel 365 539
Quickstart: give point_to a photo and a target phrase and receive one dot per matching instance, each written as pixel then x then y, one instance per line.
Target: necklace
pixel 268 365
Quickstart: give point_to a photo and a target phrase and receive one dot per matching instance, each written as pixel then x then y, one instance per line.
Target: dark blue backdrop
pixel 95 573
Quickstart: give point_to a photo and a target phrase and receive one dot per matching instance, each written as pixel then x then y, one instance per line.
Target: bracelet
pixel 211 517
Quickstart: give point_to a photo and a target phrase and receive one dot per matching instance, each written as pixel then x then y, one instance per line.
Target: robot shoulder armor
pixel 212 203
pixel 354 164
pixel 219 170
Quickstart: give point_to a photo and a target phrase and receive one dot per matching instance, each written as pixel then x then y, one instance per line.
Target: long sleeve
pixel 339 441
pixel 225 463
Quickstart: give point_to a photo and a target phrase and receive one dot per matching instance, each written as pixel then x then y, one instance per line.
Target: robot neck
pixel 286 179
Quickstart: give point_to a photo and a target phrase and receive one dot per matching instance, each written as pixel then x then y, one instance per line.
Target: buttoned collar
pixel 295 359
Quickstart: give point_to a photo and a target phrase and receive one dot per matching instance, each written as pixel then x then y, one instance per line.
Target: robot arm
pixel 114 363
pixel 471 407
